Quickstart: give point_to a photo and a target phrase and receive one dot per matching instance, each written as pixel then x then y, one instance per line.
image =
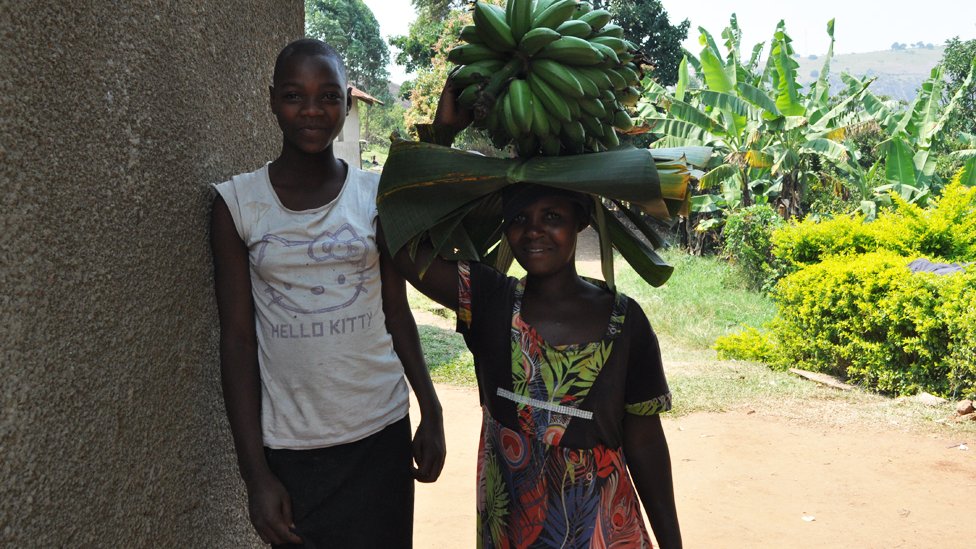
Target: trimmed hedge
pixel 851 307
pixel 870 320
pixel 946 231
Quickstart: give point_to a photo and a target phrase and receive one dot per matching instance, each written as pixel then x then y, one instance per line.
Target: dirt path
pixel 750 480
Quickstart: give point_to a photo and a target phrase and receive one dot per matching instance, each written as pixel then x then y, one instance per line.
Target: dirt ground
pixel 757 479
pixel 753 480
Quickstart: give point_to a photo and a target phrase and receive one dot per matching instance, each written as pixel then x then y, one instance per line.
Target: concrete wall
pixel 346 146
pixel 116 117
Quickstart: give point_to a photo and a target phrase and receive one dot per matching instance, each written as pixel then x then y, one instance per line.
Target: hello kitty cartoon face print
pixel 330 274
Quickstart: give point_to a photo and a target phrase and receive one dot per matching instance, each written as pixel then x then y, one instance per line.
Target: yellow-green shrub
pixel 749 344
pixel 869 319
pixel 945 231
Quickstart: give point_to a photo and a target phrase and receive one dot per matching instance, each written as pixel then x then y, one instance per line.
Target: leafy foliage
pixel 646 24
pixel 748 242
pixel 437 9
pixel 771 141
pixel 350 27
pixel 417 47
pixel 957 60
pixel 869 319
pixel 852 308
pixel 749 344
pixel 946 231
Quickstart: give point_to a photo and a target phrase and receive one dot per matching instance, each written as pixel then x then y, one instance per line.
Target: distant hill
pixel 899 72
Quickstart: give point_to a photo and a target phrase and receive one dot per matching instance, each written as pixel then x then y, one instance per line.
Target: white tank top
pixel 329 374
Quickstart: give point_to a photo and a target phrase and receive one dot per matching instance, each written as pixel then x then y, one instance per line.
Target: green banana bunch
pixel 552 77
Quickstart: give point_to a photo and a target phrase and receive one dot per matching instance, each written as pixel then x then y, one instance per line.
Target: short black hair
pixel 306 47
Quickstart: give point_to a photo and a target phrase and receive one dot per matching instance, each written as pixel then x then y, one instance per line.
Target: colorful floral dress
pixel 551 470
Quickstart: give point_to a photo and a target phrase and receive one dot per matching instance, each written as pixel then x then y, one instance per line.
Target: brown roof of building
pixel 363 96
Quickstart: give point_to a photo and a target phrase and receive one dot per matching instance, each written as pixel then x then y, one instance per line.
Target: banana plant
pixel 913 135
pixel 769 138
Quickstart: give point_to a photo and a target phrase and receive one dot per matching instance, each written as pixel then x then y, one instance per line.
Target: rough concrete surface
pixel 116 118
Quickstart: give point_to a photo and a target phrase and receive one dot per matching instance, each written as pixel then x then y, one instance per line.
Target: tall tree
pixel 437 9
pixel 645 22
pixel 350 27
pixel 417 47
pixel 957 60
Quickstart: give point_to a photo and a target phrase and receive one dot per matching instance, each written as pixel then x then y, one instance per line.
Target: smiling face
pixel 310 99
pixel 543 234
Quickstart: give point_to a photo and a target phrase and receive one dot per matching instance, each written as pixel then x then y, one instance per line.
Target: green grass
pixel 705 298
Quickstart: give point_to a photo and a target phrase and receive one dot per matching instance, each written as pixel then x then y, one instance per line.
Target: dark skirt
pixel 356 495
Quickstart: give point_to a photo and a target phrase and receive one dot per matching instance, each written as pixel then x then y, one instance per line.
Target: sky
pixel 861 25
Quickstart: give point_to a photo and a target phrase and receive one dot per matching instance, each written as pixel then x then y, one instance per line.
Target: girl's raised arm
pixel 439 281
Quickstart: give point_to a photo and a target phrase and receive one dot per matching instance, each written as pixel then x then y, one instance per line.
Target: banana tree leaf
pixel 716 78
pixel 452 196
pixel 725 102
pixel 683 78
pixel 717 175
pixel 705 39
pixel 822 87
pixel 732 35
pixel 929 109
pixel 687 113
pixel 754 58
pixel 692 60
pixel 826 148
pixel 924 164
pixel 899 162
pixel 680 129
pixel 706 203
pixel 695 156
pixel 785 161
pixel 954 102
pixel 760 99
pixel 788 90
pixel 648 264
pixel 963 154
pixel 823 123
pixel 967 174
pixel 759 159
pixel 670 142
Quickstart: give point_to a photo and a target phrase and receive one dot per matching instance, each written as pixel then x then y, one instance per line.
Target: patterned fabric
pixel 534 490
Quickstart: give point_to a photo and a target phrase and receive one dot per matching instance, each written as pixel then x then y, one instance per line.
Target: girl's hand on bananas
pixel 451 117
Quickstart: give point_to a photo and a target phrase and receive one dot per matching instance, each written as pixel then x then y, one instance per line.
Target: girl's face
pixel 310 99
pixel 543 235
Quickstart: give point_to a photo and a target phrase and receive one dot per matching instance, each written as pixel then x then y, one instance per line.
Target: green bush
pixel 867 318
pixel 809 242
pixel 945 231
pixel 959 315
pixel 749 344
pixel 748 243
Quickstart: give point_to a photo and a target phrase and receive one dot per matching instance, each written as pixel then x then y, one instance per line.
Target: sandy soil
pixel 753 480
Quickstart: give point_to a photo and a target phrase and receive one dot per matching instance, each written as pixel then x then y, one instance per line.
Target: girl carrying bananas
pixel 570 377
